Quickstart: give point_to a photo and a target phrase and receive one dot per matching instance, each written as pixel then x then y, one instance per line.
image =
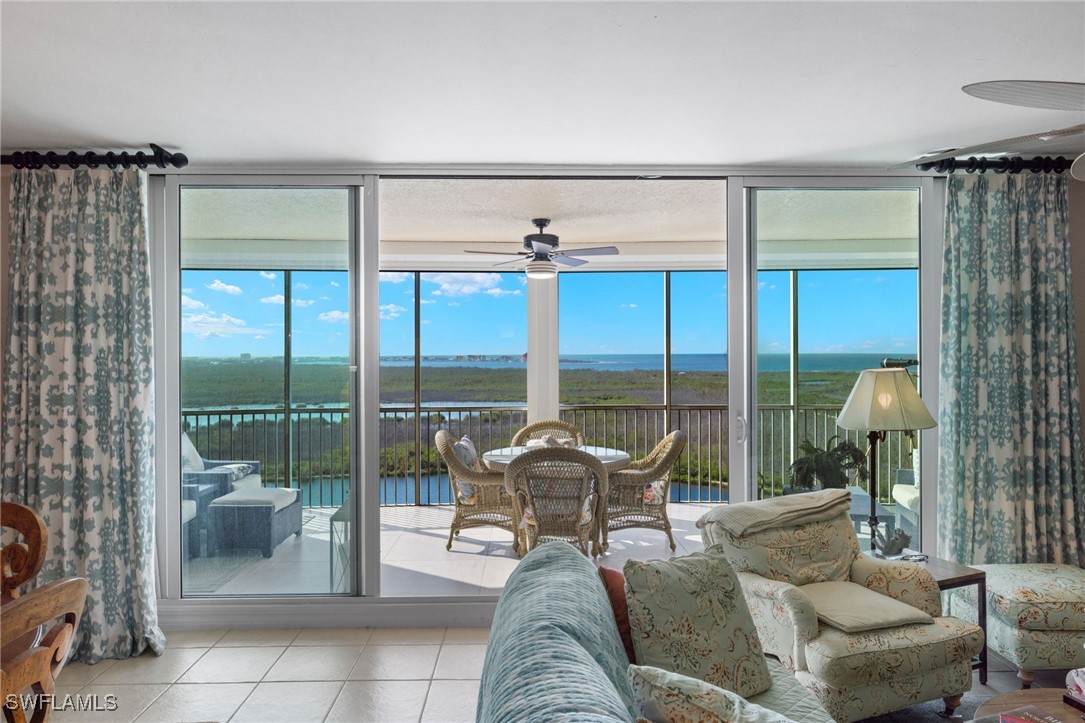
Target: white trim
pixel 932 211
pixel 344 612
pixel 367 506
pixel 542 349
pixel 741 460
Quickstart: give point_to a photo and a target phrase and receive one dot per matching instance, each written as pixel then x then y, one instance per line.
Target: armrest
pixel 221 480
pixel 904 581
pixel 784 616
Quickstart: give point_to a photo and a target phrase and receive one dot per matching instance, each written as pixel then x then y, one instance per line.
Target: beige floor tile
pixel 496 573
pixel 379 701
pixel 273 577
pixel 293 702
pixel 412 578
pixel 460 662
pixel 333 636
pixel 258 636
pixel 422 547
pixel 328 662
pixel 197 703
pixel 396 662
pixel 468 636
pixel 79 674
pixel 232 665
pixel 407 636
pixel 451 701
pixel 127 701
pixel 151 668
pixel 193 638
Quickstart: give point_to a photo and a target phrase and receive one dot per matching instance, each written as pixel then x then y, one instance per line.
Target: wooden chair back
pixel 21 562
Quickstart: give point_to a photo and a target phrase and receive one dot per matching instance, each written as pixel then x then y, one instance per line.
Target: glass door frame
pixel 742 299
pixel 165 213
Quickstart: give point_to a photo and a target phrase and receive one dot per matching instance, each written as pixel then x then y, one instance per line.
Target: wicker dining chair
pixel 480 496
pixel 557 493
pixel 553 427
pixel 639 493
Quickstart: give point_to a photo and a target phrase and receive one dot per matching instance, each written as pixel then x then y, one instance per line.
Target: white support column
pixel 542 349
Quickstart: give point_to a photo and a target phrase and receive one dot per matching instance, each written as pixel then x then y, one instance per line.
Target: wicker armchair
pixel 486 505
pixel 557 493
pixel 639 493
pixel 554 427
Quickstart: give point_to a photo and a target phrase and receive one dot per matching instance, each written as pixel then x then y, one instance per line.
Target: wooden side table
pixel 1049 700
pixel 950 575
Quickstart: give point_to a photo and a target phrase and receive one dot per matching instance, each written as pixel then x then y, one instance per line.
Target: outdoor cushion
pixel 277 497
pixel 851 659
pixel 1033 596
pixel 907 495
pixel 188 511
pixel 665 696
pixel 466 452
pixel 249 481
pixel 191 461
pixel 855 609
pixel 688 615
pixel 237 470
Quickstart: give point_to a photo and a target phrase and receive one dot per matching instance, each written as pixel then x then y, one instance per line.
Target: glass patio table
pixel 612 459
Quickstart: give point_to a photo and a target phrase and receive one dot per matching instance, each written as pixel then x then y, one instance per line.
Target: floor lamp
pixel 882 400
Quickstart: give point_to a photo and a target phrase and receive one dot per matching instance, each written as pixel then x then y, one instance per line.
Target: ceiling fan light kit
pixel 541 269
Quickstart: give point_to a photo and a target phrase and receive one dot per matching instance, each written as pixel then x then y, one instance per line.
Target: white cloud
pixel 427 301
pixel 629 306
pixel 333 284
pixel 217 285
pixel 186 291
pixel 190 303
pixel 881 280
pixel 453 303
pixel 455 284
pixel 522 280
pixel 277 299
pixel 334 317
pixel 391 311
pixel 268 275
pixel 208 325
pixel 392 277
pixel 325 298
pixel 303 302
pixel 301 285
pixel 259 336
pixel 426 321
pixel 504 292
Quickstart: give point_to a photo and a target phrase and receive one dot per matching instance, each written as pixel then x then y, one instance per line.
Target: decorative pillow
pixel 248 482
pixel 653 493
pixel 467 454
pixel 191 461
pixel 855 609
pixel 688 615
pixel 665 696
pixel 614 582
pixel 237 470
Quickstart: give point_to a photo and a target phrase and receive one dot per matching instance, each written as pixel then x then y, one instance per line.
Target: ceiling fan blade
pixel 1008 144
pixel 593 251
pixel 541 247
pixel 1048 94
pixel 510 261
pixel 496 253
pixel 1078 169
pixel 567 260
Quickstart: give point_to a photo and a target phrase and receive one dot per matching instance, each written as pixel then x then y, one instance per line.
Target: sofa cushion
pixel 1033 596
pixel 666 696
pixel 790 698
pixel 191 461
pixel 855 609
pixel 277 497
pixel 688 615
pixel 852 659
pixel 614 582
pixel 554 652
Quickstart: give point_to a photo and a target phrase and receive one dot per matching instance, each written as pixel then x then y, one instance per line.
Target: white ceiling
pixel 769 84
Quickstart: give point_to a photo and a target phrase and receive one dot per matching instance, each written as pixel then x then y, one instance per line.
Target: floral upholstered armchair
pixel 867 636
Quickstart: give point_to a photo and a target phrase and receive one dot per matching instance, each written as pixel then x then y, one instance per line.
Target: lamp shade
pixel 541 269
pixel 884 400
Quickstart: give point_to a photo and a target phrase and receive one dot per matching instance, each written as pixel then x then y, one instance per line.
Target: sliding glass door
pixel 266 328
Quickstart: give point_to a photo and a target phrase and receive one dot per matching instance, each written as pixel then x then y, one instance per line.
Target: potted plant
pixel 830 467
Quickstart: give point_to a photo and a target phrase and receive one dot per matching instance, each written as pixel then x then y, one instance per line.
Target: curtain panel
pixel 78 427
pixel 1010 454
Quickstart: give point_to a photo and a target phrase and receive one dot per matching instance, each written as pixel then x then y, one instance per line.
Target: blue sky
pixel 227 313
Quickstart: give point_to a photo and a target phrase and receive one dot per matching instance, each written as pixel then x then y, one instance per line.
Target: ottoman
pixel 259 517
pixel 1035 615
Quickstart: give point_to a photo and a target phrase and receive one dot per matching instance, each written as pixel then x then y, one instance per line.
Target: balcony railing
pixel 311 453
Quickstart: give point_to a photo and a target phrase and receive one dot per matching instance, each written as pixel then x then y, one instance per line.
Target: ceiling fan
pixel 542 254
pixel 1052 95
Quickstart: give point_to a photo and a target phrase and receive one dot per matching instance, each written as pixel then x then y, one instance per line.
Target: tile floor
pixel 388 675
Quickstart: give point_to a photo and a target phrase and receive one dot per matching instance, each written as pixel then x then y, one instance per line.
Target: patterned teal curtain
pixel 78 426
pixel 1011 487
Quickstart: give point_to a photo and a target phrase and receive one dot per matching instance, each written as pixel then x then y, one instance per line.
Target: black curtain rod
pixel 159 156
pixel 1003 164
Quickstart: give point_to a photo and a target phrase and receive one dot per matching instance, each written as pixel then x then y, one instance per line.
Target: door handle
pixel 740 429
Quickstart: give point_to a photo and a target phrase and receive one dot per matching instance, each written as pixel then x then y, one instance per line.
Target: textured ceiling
pixel 767 84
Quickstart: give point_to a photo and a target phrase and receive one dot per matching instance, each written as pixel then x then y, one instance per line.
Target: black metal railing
pixel 310 451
